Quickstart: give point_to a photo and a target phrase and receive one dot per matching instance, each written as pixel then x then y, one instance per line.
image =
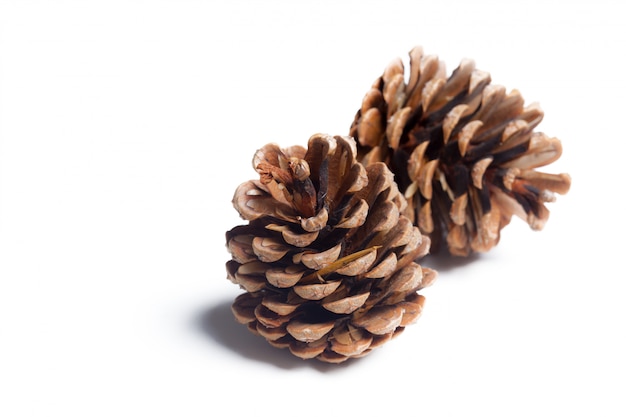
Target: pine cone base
pixel 330 338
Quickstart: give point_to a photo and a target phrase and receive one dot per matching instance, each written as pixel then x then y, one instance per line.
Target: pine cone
pixel 326 259
pixel 463 151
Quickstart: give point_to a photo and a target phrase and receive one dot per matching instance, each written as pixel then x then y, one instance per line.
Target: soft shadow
pixel 218 323
pixel 445 262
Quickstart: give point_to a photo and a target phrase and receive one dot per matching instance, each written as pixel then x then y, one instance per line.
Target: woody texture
pixel 464 152
pixel 326 259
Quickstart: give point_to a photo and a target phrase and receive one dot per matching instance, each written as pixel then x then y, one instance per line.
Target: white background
pixel 125 127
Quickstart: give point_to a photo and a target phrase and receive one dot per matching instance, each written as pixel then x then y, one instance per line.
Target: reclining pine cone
pixel 327 260
pixel 463 151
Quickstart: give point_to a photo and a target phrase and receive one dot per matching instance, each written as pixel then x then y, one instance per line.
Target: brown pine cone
pixel 326 259
pixel 463 151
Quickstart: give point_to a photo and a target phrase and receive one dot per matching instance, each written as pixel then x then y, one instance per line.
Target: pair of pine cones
pixel 328 258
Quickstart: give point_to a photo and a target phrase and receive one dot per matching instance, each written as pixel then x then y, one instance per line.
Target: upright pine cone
pixel 463 151
pixel 326 259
